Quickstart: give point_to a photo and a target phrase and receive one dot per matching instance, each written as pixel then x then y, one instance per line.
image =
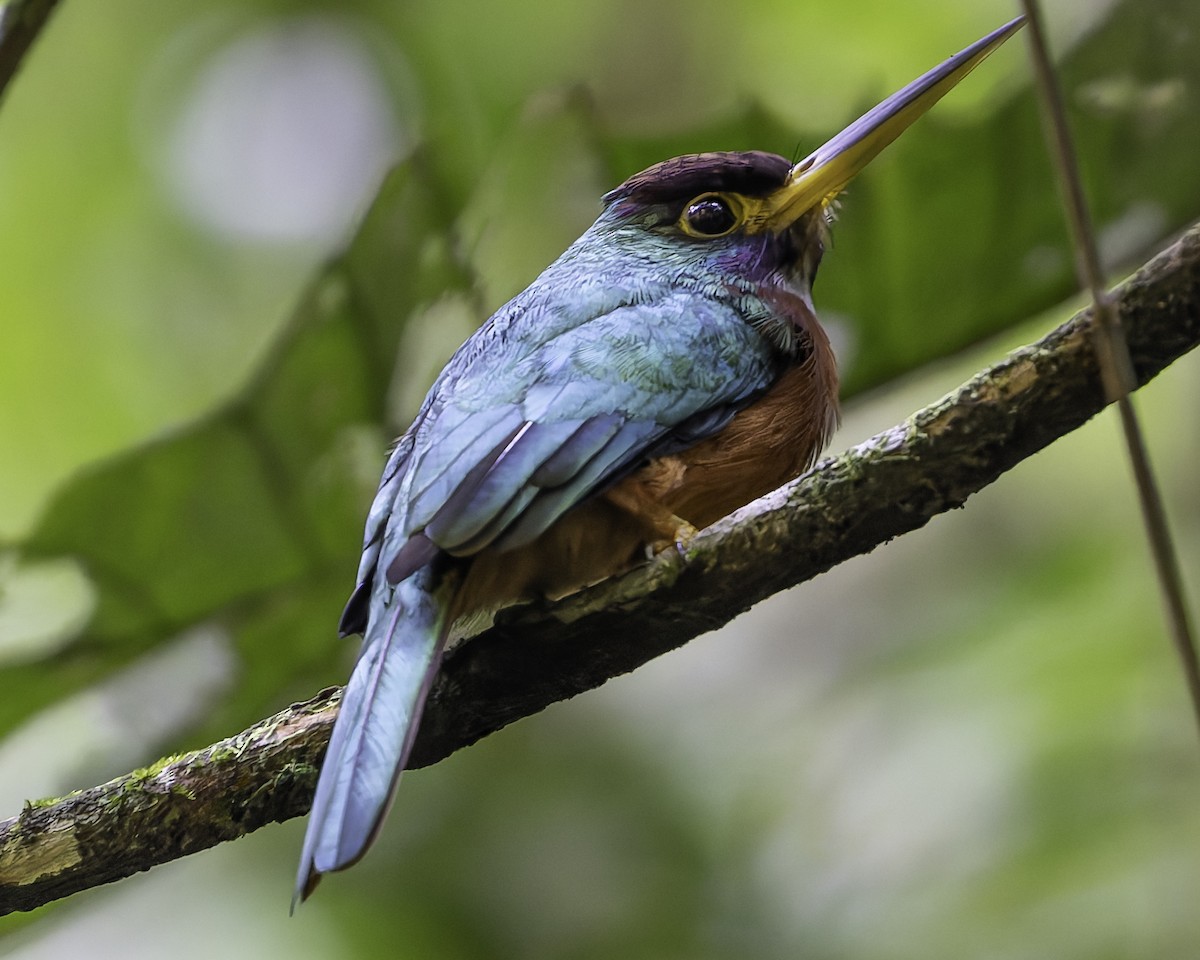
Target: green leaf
pixel 227 519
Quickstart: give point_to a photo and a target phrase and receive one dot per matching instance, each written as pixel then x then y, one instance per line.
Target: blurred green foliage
pixel 990 757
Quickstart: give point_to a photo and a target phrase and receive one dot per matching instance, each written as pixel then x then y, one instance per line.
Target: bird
pixel 665 370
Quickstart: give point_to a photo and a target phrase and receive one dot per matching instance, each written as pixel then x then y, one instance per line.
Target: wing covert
pixel 520 428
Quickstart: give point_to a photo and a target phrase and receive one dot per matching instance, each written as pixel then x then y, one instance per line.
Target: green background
pixel 237 243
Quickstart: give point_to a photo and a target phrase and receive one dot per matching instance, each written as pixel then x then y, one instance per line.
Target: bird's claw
pixel 682 537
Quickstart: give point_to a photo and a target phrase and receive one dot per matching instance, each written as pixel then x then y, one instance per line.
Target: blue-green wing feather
pixel 567 414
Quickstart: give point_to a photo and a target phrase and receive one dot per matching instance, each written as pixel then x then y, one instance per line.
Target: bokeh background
pixel 237 242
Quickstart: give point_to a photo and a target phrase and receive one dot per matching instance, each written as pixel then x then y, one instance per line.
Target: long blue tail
pixel 376 725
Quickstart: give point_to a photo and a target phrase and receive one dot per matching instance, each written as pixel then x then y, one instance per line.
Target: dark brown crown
pixel 750 172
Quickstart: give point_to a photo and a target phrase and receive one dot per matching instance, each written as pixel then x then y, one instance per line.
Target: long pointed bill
pixel 823 174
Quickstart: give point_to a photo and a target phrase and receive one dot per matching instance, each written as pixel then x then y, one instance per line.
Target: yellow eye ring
pixel 712 215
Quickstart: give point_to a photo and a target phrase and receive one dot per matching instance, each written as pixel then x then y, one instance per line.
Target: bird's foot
pixel 663 528
pixel 680 538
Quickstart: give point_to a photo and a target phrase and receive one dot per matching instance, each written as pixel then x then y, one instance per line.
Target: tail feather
pixel 375 727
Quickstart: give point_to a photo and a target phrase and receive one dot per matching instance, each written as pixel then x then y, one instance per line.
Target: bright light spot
pixel 841 332
pixel 1128 237
pixel 1044 263
pixel 43 606
pixel 284 135
pixel 106 729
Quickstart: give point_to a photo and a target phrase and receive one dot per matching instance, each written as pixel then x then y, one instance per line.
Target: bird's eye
pixel 708 216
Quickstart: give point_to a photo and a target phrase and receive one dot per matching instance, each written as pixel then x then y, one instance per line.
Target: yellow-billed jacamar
pixel 665 370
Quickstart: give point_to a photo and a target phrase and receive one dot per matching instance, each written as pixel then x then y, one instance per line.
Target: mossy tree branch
pixel 847 505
